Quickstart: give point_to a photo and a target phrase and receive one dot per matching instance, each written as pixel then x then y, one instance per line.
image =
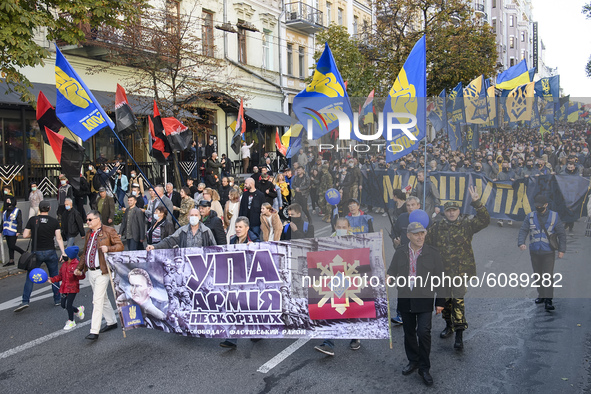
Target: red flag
pixel 282 149
pixel 178 134
pixel 125 120
pixel 69 154
pixel 160 147
pixel 240 129
pixel 46 116
pixel 338 290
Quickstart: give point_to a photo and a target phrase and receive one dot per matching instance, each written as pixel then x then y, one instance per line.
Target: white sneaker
pixel 80 314
pixel 510 223
pixel 69 325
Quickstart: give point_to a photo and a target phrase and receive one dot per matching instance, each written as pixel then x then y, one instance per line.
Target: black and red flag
pixel 160 146
pixel 179 135
pixel 46 117
pixel 280 147
pixel 239 130
pixel 69 154
pixel 125 123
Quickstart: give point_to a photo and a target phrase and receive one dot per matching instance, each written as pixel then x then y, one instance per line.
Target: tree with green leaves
pixel 350 60
pixel 460 45
pixel 26 24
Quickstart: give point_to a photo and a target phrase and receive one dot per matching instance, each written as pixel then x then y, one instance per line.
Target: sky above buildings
pixel 565 32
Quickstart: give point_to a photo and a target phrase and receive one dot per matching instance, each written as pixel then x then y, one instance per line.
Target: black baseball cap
pixel 540 201
pixel 204 203
pixel 44 206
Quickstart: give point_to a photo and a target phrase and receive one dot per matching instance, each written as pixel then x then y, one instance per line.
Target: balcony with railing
pixel 303 17
pixel 102 41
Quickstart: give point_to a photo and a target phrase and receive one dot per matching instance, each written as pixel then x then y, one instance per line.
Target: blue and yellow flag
pixel 514 76
pixel 408 95
pixel 548 87
pixel 492 104
pixel 75 106
pixel 475 102
pixel 315 105
pixel 519 103
pixel 455 117
pixel 573 112
pixel 438 114
pixel 292 139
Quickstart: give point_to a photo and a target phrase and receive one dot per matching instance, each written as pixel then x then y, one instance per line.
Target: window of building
pixel 522 36
pixel 494 26
pixel 511 42
pixel 511 62
pixel 494 4
pixel 522 54
pixel 511 20
pixel 267 49
pixel 328 12
pixel 241 44
pixel 340 16
pixel 289 59
pixel 301 62
pixel 207 33
pixel 355 24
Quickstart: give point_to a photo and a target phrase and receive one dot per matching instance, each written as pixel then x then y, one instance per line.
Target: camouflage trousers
pixel 324 206
pixel 455 313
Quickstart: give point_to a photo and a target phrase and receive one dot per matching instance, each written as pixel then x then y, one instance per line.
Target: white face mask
pixel 156 216
pixel 133 175
pixel 90 168
pixel 63 182
pixel 194 220
pixel 33 188
pixel 134 193
pixel 341 232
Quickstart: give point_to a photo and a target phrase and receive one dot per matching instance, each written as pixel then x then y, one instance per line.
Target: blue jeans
pixel 70 241
pixel 132 244
pixel 49 257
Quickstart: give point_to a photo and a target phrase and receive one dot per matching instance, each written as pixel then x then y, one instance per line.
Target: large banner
pixel 511 200
pixel 323 287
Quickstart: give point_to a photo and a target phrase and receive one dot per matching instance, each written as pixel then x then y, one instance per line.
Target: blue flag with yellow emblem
pixel 408 95
pixel 519 103
pixel 475 102
pixel 455 117
pixel 317 104
pixel 75 106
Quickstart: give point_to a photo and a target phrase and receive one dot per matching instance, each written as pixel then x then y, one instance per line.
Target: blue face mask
pixel 68 207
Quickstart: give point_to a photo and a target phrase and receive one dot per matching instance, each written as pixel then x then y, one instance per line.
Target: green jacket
pixel 454 240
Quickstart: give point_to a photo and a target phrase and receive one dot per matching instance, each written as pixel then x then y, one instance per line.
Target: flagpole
pixel 425 169
pixel 144 175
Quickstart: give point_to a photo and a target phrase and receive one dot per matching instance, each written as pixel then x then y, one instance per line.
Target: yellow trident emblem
pixel 326 85
pixel 132 312
pixel 404 95
pixel 71 89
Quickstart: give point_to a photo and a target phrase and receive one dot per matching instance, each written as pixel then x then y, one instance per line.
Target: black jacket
pixel 254 213
pixel 72 224
pixel 265 185
pixel 214 223
pixel 429 265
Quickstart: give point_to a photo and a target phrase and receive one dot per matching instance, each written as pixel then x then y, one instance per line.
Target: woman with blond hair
pixel 271 226
pixel 213 196
pixel 231 212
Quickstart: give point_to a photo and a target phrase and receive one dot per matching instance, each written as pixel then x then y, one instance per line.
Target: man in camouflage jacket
pixel 453 238
pixel 326 182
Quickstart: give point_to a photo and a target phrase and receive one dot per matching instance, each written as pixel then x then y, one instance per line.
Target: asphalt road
pixel 511 346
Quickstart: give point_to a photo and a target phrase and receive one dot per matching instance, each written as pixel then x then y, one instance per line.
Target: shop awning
pixel 268 118
pixel 140 105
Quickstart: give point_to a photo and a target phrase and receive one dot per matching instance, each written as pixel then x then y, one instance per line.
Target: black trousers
pixel 303 201
pixel 417 338
pixel 68 304
pixel 544 264
pixel 11 243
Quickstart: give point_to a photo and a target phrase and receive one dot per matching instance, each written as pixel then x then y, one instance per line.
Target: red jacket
pixel 70 282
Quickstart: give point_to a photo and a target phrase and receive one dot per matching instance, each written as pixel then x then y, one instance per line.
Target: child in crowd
pixel 70 286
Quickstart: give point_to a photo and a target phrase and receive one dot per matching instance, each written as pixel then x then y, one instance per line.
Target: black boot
pixel 548 304
pixel 459 344
pixel 447 331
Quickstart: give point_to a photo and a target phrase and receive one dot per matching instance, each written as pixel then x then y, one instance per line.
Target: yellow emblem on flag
pixel 404 95
pixel 327 85
pixel 71 89
pixel 132 312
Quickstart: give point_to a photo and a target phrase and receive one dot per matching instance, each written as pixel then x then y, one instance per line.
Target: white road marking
pixel 285 353
pixel 17 301
pixel 39 341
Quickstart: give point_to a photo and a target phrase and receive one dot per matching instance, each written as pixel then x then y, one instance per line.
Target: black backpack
pixel 96 182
